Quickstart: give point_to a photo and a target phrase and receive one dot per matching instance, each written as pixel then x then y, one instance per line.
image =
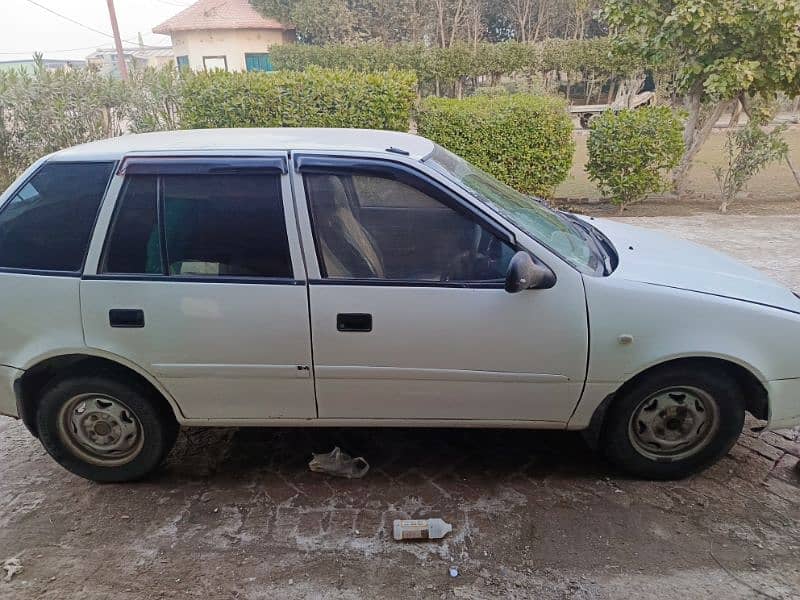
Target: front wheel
pixel 673 422
pixel 105 429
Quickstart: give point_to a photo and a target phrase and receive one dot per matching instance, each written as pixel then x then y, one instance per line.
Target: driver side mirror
pixel 524 274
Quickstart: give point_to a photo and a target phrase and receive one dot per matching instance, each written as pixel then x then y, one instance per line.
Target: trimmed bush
pixel 444 71
pixel 523 140
pixel 311 98
pixel 632 150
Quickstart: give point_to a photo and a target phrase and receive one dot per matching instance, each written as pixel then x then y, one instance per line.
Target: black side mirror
pixel 524 274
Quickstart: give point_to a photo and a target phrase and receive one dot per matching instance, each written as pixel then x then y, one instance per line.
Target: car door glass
pixel 135 246
pixel 47 224
pixel 209 226
pixel 376 227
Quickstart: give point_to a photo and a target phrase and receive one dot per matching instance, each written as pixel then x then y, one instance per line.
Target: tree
pixel 727 50
pixel 442 23
pixel 747 151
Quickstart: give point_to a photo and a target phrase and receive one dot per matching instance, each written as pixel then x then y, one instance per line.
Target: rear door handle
pixel 354 322
pixel 128 318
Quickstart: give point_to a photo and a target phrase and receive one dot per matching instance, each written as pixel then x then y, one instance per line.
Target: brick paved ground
pixel 237 514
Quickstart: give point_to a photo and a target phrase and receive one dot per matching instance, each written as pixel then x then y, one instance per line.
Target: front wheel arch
pixel 757 400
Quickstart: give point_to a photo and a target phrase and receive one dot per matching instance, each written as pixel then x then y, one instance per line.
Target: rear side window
pixel 200 225
pixel 47 224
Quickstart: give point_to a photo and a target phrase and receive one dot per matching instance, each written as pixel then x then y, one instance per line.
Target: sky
pixel 26 28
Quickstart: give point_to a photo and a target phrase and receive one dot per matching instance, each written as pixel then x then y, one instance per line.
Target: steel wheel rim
pixel 100 430
pixel 674 423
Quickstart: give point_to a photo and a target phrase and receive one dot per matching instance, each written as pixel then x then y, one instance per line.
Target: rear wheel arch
pixel 33 382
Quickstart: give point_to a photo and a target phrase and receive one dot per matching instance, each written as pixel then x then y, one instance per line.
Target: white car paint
pixel 652 257
pixel 461 357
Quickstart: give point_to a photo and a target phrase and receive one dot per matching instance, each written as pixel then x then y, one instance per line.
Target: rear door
pixel 201 283
pixel 410 320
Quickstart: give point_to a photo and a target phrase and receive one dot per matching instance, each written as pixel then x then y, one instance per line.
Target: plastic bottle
pixel 424 529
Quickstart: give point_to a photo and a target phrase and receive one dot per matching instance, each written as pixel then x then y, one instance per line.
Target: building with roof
pixel 49 64
pixel 224 34
pixel 106 62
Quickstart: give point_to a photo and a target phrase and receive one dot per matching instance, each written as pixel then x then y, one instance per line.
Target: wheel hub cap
pixel 100 429
pixel 673 423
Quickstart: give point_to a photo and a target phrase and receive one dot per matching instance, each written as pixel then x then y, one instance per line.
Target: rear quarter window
pixel 47 223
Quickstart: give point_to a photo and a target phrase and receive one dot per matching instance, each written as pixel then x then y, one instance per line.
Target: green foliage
pixel 581 59
pixel 312 98
pixel 723 47
pixel 154 100
pixel 523 140
pixel 747 151
pixel 44 111
pixel 325 21
pixel 630 151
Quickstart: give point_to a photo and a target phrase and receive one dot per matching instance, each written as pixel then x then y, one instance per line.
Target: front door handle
pixel 128 318
pixel 354 322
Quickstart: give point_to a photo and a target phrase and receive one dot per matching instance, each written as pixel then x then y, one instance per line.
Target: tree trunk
pixel 737 114
pixel 793 169
pixel 694 137
pixel 612 90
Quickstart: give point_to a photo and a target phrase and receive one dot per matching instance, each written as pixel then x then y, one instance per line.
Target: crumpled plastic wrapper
pixel 11 566
pixel 340 464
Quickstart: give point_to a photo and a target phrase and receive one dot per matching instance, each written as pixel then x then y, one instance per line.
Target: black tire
pixel 154 418
pixel 618 436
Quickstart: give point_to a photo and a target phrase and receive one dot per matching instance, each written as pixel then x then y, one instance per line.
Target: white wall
pixel 230 43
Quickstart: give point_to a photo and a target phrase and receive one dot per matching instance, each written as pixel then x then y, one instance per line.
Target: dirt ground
pixel 237 514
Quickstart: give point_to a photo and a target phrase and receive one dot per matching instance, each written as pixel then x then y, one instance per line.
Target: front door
pixel 409 316
pixel 200 282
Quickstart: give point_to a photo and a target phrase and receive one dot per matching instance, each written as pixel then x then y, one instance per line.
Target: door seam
pixel 291 175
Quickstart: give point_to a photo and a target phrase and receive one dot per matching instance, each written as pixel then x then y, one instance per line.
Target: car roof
pixel 286 138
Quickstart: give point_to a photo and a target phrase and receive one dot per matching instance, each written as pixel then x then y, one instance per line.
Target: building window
pixel 212 63
pixel 258 62
pixel 183 62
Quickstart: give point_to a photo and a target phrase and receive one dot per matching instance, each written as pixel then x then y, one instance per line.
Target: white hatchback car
pixel 323 277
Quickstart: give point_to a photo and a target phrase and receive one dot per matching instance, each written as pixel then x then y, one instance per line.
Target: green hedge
pixel 312 98
pixel 523 140
pixel 631 151
pixel 580 60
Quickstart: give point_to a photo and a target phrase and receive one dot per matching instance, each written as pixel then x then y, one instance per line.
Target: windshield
pixel 555 230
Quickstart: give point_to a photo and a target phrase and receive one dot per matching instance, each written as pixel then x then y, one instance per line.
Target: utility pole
pixel 122 65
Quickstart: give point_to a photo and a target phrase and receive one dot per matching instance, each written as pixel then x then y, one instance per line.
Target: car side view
pixel 331 277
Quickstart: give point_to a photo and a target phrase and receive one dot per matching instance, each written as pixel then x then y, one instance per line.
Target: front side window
pixel 200 225
pixel 371 226
pixel 47 224
pixel 547 226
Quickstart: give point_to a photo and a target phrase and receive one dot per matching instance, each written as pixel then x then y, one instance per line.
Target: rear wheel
pixel 673 422
pixel 104 429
